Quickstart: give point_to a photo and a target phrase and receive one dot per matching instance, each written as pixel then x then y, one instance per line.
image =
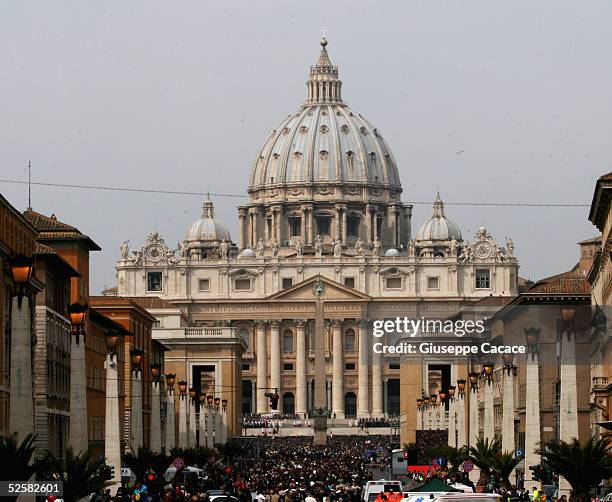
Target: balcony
pixel 600 384
pixel 196 333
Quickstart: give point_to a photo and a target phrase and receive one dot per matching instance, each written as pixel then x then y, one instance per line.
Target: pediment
pixel 332 291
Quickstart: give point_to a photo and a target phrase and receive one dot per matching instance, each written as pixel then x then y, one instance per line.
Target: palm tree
pixel 582 465
pixel 81 474
pixel 454 456
pixel 144 460
pixel 483 455
pixel 16 460
pixel 503 464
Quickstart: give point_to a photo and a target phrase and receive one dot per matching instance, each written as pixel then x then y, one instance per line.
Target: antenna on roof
pixel 29 185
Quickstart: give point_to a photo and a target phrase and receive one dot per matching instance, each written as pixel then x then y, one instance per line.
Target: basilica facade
pixel 325 206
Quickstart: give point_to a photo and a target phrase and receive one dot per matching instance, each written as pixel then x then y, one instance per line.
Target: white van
pixel 373 488
pixel 451 497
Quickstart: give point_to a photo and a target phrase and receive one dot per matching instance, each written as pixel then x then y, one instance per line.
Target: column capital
pixel 337 323
pixel 300 323
pixel 275 323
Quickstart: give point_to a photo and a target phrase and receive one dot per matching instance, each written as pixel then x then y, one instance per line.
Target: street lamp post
pixel 136 429
pixel 78 379
pixel 112 425
pixel 193 397
pixel 21 400
pixel 183 428
pixel 170 413
pixel 155 444
pixel 532 405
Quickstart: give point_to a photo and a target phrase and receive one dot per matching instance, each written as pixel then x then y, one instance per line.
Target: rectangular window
pixel 154 281
pixel 246 367
pixel 394 366
pixel 204 285
pixel 483 279
pixel 295 226
pixel 349 366
pixel 242 284
pixel 393 283
pixel 352 226
pixel 287 282
pixel 433 283
pixel 349 282
pixel 323 225
pixel 157 323
pixel 287 366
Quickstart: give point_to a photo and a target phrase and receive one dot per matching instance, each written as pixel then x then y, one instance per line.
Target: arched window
pixel 352 225
pixel 350 405
pixel 288 341
pixel 288 403
pixel 349 340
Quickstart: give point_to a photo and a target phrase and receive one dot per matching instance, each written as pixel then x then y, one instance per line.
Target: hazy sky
pixel 180 95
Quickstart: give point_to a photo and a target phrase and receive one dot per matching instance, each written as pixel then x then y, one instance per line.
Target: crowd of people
pixel 366 423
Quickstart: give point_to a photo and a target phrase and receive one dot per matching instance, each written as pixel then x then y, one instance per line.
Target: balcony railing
pixel 600 383
pixel 199 332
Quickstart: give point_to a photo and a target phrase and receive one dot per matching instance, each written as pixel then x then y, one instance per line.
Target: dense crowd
pixel 376 422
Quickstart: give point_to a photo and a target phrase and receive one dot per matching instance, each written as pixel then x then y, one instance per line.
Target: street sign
pixel 467 466
pixel 519 453
pixel 179 463
pixel 441 461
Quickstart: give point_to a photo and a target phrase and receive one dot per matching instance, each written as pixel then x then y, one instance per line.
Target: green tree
pixel 503 463
pixel 144 460
pixel 483 455
pixel 81 474
pixel 582 465
pixel 16 459
pixel 454 456
pixel 194 456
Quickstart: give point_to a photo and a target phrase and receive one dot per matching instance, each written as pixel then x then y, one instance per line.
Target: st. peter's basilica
pixel 325 204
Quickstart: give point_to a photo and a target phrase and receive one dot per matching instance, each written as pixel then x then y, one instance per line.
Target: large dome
pixel 438 227
pixel 324 142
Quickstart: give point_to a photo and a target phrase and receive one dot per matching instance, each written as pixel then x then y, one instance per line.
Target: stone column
pixel 460 418
pixel 474 427
pixel 568 402
pixel 452 424
pixel 202 426
pixel 112 425
pixel 136 429
pixel 183 428
pixel 218 426
pixel 170 419
pixel 21 412
pixel 155 444
pixel 337 370
pixel 489 410
pixel 377 384
pixel 210 443
pixel 303 223
pixel 301 405
pixel 310 226
pixel 532 419
pixel 375 224
pixel 278 213
pixel 78 396
pixel 368 222
pixel 344 231
pixel 363 399
pixel 337 223
pixel 508 441
pixel 242 219
pixel 275 358
pixel 262 367
pixel 192 424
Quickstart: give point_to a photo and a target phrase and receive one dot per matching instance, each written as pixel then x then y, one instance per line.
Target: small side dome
pixel 392 252
pixel 247 253
pixel 438 227
pixel 208 229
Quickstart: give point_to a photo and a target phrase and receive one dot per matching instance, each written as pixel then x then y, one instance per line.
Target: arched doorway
pixel 350 405
pixel 393 397
pixel 288 403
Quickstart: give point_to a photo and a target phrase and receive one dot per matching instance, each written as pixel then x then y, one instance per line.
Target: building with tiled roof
pixel 50 228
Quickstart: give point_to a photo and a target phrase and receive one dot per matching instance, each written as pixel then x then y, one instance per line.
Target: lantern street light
pixel 473 376
pixel 507 360
pixel 209 400
pixel 224 404
pixel 193 393
pixel 568 315
pixel 78 314
pixel 442 397
pixel 461 387
pixel 426 402
pixel 170 379
pixel 514 370
pixel 217 401
pixel 112 339
pixel 136 358
pixel 532 337
pixel 451 392
pixel 487 370
pixel 419 403
pixel 182 388
pixel 155 371
pixel 21 270
pixel 433 399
